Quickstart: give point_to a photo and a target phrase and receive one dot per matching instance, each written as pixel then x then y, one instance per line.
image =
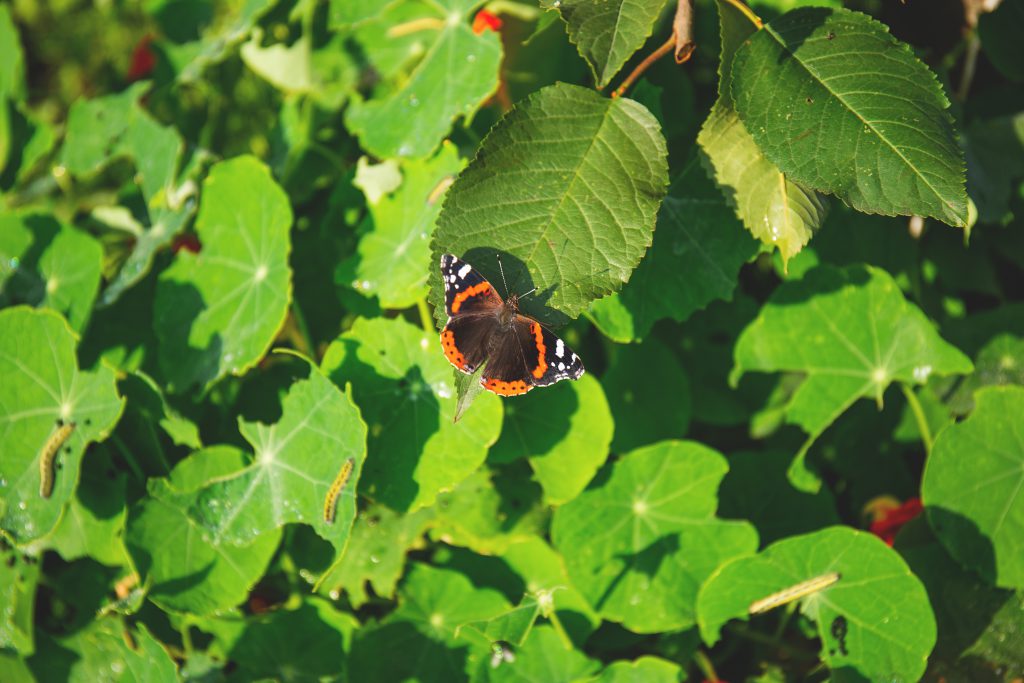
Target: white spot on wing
pixel 464 270
pixel 560 349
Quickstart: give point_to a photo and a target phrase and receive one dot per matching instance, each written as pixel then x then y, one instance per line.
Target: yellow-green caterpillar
pixel 794 592
pixel 331 501
pixel 49 453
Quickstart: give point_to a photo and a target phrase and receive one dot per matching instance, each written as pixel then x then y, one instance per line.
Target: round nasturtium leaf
pixel 639 544
pixel 973 487
pixel 217 312
pixel 42 394
pixel 403 385
pixel 875 619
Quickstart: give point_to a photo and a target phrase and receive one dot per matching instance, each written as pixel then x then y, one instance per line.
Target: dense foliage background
pixel 793 265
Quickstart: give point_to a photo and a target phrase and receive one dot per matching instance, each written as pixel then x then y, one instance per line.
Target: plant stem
pixel 556 623
pixel 706 667
pixel 665 48
pixel 919 416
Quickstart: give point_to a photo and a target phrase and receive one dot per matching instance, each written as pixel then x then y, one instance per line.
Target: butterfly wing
pixel 529 356
pixel 466 291
pixel 556 361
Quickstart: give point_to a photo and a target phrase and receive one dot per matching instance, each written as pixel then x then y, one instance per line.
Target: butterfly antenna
pixel 525 294
pixel 502 269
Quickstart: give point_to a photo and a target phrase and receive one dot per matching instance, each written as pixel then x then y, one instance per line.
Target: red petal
pixel 484 20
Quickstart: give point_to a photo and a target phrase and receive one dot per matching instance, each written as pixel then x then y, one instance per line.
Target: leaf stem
pixel 426 321
pixel 556 623
pixel 706 667
pixel 650 59
pixel 919 416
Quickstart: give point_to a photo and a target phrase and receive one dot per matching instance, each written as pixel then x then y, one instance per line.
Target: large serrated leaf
pixel 566 188
pixel 455 71
pixel 852 332
pixel 43 388
pixel 973 484
pixel 640 544
pixel 843 107
pixel 607 33
pixel 216 312
pixel 874 618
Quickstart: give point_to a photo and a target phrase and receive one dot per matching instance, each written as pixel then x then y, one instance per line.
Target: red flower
pixel 484 20
pixel 143 59
pixel 889 519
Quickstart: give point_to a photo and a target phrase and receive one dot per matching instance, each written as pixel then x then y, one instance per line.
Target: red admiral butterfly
pixel 520 353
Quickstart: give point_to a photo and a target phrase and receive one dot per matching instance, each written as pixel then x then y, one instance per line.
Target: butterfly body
pixel 482 327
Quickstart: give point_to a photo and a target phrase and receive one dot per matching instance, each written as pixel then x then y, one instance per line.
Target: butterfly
pixel 482 327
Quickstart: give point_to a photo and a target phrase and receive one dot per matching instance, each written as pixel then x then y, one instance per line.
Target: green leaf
pixel 972 487
pixel 543 572
pixel 999 31
pixel 512 627
pixel 433 603
pixel 93 524
pixel 840 126
pixel 544 657
pixel 402 384
pixel 12 60
pixel 852 333
pixel 564 431
pixel 697 252
pixel 488 512
pixel 58 267
pixel 566 187
pixel 219 310
pixel 644 670
pixel 19 579
pixel 775 210
pixel 392 261
pixel 875 620
pixel 375 554
pixel 607 33
pixel 188 571
pixel 304 644
pixel 756 489
pixel 295 462
pixel 455 71
pixel 103 129
pixel 104 650
pixel 639 544
pixel 1000 362
pixel 647 406
pixel 43 385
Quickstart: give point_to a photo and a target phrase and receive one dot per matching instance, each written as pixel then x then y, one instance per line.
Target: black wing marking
pixel 466 291
pixel 559 361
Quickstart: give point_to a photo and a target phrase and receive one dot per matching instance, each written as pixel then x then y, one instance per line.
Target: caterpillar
pixel 794 592
pixel 49 452
pixel 331 501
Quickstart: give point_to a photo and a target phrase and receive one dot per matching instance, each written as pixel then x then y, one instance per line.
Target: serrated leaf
pixel 566 187
pixel 375 555
pixel 103 129
pixel 647 406
pixel 188 571
pixel 433 603
pixel 486 512
pixel 972 487
pixel 644 670
pixel 697 252
pixel 773 208
pixel 295 462
pixel 565 433
pixel 392 261
pixel 640 544
pixel 402 384
pixel 217 311
pixel 607 33
pixel 852 332
pixel 455 71
pixel 42 384
pixel 54 266
pixel 875 620
pixel 840 126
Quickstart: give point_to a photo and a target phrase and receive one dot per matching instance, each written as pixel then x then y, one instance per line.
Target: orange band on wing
pixel 481 288
pixel 538 336
pixel 507 388
pixel 455 356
